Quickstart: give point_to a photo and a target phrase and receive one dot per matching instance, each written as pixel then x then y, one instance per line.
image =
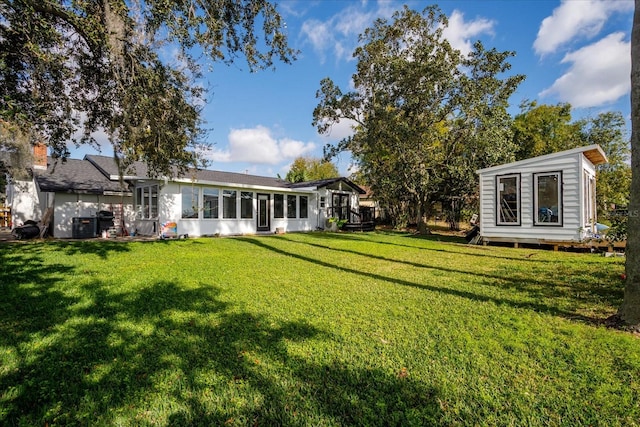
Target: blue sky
pixel 575 51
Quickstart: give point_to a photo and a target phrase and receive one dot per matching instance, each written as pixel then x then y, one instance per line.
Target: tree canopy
pixel 426 115
pixel 311 169
pixel 76 67
pixel 544 129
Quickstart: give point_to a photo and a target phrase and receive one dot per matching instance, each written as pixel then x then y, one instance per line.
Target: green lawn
pixel 311 329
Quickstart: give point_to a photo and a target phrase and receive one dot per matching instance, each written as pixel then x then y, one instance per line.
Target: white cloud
pixel 460 33
pixel 599 73
pixel 257 145
pixel 338 36
pixel 576 19
pixel 340 130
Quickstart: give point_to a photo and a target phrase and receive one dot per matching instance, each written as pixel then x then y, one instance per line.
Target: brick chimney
pixel 40 156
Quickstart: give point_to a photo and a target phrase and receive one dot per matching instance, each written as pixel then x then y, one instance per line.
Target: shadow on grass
pixel 173 355
pixel 543 286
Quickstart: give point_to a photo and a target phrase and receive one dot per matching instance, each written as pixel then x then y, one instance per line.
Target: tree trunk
pixel 629 311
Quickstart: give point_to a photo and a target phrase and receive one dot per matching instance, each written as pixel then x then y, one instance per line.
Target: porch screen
pixel 229 204
pixel 210 202
pixel 508 206
pixel 190 198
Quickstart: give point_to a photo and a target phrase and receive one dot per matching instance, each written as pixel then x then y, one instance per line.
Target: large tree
pixel 127 67
pixel 311 169
pixel 629 311
pixel 544 129
pixel 424 112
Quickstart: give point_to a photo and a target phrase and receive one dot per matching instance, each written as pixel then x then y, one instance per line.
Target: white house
pixel 81 193
pixel 549 199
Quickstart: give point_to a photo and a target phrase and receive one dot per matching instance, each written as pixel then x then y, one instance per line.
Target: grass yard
pixel 314 329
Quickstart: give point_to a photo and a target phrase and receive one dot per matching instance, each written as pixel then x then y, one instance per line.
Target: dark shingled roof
pixel 326 183
pixel 97 174
pixel 74 176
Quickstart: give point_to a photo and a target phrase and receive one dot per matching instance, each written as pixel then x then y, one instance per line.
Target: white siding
pixel 68 206
pixel 571 167
pixel 170 206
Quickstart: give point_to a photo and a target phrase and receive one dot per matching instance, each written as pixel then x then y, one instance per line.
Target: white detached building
pixel 549 199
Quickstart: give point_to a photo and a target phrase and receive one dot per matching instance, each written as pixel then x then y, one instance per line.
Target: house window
pixel 322 201
pixel 508 202
pixel 278 206
pixel 246 204
pixel 147 202
pixel 229 204
pixel 547 198
pixel 291 206
pixel 304 207
pixel 210 197
pixel 190 198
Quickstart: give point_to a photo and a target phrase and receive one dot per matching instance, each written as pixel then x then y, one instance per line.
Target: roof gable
pixel 75 176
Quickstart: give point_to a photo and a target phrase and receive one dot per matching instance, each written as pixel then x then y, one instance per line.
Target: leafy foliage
pixel 311 169
pixel 544 129
pixel 427 116
pixel 89 65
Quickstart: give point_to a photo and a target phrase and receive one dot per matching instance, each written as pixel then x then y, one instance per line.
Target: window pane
pixel 139 203
pixel 304 210
pixel 246 204
pixel 229 204
pixel 210 202
pixel 154 201
pixel 190 202
pixel 291 206
pixel 508 203
pixel 278 206
pixel 147 203
pixel 548 198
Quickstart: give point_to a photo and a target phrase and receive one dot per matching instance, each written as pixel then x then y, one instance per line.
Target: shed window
pixel 547 198
pixel 508 206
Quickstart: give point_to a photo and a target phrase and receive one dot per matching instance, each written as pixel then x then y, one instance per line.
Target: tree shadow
pixel 542 285
pixel 109 357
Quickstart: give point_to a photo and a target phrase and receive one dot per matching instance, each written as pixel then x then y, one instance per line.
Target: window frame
pixel 212 212
pixel 303 209
pixel 536 200
pixel 518 221
pixel 146 201
pixel 195 196
pixel 246 205
pixel 292 201
pixel 278 206
pixel 231 196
